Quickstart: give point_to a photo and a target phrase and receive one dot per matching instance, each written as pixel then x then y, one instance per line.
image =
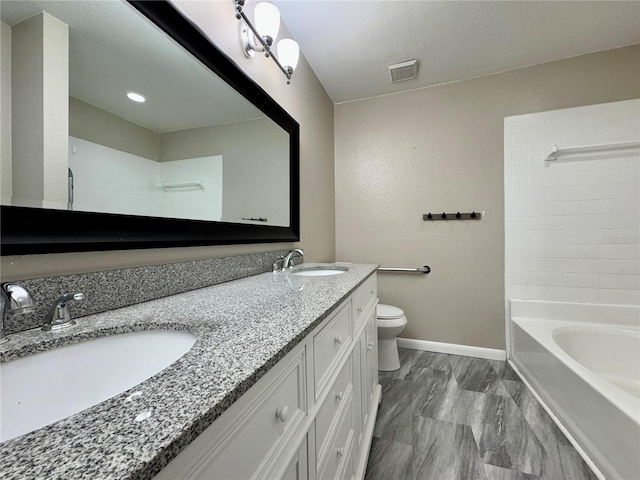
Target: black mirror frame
pixel 32 230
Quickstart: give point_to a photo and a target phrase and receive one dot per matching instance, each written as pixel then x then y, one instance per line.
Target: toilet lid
pixel 388 312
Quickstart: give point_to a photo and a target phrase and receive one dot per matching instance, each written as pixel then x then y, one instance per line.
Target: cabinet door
pixel 372 354
pixel 298 469
pixel 358 428
pixel 365 379
pixel 255 429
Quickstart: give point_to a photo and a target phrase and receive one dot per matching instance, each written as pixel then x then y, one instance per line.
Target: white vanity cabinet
pixel 310 417
pixel 298 468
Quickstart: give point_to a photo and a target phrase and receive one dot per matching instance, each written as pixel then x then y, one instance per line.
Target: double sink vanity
pixel 213 368
pixel 269 376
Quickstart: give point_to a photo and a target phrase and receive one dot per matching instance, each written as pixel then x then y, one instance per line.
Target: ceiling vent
pixel 403 71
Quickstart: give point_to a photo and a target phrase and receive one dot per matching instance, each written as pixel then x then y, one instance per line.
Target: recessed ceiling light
pixel 136 97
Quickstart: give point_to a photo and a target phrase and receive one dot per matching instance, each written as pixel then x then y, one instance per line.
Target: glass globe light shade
pixel 267 19
pixel 288 53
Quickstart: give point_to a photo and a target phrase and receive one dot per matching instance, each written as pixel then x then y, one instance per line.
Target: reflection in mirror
pixel 72 139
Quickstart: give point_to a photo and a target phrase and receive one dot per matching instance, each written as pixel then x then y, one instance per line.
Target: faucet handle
pixel 59 316
pixel 62 299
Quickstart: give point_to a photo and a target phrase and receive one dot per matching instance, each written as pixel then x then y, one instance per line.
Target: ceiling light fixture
pixel 136 97
pixel 261 37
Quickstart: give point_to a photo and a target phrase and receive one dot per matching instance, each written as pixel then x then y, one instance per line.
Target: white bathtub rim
pixel 542 331
pixel 588 313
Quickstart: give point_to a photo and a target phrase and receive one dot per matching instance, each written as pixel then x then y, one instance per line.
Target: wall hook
pixel 452 216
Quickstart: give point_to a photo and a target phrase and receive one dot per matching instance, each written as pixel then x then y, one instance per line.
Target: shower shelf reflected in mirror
pixel 172 186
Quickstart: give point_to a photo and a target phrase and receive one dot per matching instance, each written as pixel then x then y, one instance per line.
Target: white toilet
pixel 391 322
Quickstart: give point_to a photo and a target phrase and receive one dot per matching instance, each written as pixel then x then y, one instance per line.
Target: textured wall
pixel 441 148
pixel 95 125
pixel 305 100
pixel 5 114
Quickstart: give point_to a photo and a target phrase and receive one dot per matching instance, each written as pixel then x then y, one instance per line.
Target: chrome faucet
pixel 16 300
pixel 59 317
pixel 288 259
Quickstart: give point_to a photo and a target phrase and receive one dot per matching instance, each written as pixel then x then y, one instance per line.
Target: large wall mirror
pixel 124 127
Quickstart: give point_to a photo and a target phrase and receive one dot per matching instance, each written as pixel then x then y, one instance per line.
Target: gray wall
pixel 305 100
pixel 5 114
pixel 254 170
pixel 441 148
pixel 95 125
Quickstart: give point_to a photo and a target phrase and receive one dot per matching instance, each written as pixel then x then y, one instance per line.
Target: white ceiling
pixel 350 43
pixel 113 49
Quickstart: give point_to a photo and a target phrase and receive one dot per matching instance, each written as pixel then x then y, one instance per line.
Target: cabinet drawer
pixel 327 417
pixel 244 441
pixel 340 451
pixel 346 469
pixel 364 297
pixel 329 345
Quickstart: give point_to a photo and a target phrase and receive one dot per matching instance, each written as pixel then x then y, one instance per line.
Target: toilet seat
pixel 388 312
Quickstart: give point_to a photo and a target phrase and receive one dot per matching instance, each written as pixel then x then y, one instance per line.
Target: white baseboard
pixel 453 348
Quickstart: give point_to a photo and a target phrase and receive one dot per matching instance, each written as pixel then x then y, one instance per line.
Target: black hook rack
pixel 453 216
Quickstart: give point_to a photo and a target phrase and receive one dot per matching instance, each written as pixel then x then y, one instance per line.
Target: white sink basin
pixel 318 272
pixel 46 387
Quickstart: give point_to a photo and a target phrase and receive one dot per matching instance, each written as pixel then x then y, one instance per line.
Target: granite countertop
pixel 242 327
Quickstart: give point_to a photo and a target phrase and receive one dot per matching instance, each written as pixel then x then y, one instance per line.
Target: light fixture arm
pixel 266 41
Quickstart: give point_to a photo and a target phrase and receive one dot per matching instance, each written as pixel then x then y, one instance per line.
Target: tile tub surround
pixel 243 327
pixel 572 226
pixel 448 417
pixel 111 289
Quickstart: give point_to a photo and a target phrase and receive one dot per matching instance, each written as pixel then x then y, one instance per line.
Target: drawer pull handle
pixel 359 309
pixel 370 346
pixel 283 413
pixel 339 339
pixel 341 452
pixel 373 292
pixel 339 395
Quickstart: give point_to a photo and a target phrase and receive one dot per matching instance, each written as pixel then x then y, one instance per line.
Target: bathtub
pixel 583 361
